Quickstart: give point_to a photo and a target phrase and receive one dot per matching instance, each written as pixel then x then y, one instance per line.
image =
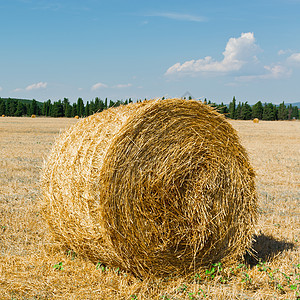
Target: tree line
pixel 63 108
pixel 266 111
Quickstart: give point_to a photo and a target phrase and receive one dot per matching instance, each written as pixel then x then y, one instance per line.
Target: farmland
pixel 34 267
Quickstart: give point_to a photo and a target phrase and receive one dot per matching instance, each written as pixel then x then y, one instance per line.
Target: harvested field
pixel 32 267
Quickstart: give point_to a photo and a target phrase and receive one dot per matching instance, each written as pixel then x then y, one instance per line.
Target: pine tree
pixel 295 112
pixel 257 110
pixel 232 109
pixel 111 103
pixel 238 112
pixel 58 109
pixel 20 110
pixel 246 111
pixel 2 107
pixel 11 107
pixel 87 109
pixel 282 112
pixel 80 107
pixel 33 107
pixel 289 112
pixel 269 112
pixel 74 110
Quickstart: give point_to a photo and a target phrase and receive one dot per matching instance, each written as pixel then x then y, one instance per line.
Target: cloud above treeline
pixel 100 85
pixel 36 86
pixel 240 55
pixel 238 52
pixel 178 16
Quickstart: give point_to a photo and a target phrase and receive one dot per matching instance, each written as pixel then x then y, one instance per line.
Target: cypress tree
pixel 232 108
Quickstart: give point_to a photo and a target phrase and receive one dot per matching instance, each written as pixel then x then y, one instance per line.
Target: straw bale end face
pixel 156 188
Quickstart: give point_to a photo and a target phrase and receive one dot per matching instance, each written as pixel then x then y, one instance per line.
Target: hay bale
pixel 76 117
pixel 155 188
pixel 255 120
pixel 3 116
pixel 33 116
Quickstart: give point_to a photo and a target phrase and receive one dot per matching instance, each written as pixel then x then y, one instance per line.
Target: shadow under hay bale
pixel 265 247
pixel 155 188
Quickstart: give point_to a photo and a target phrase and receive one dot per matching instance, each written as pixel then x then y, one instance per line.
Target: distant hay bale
pixel 76 117
pixel 155 188
pixel 255 120
pixel 3 116
pixel 33 116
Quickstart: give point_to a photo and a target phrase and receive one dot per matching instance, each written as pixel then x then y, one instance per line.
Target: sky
pixel 149 49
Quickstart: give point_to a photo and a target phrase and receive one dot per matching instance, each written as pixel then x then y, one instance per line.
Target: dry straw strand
pixel 157 188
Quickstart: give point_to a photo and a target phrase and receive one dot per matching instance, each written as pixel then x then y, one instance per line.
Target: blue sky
pixel 147 49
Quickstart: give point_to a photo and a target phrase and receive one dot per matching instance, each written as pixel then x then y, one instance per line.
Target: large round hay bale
pixel 155 188
pixel 255 120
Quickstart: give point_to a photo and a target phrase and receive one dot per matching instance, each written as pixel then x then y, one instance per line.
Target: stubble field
pixel 34 267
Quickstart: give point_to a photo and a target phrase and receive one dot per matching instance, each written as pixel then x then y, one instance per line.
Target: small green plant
pixel 247 278
pixel 72 254
pixel 100 266
pixel 183 288
pixel 134 297
pixel 59 266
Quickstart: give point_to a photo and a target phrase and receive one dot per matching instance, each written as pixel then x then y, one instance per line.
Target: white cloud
pixel 178 16
pixel 295 57
pixel 36 86
pixel 120 86
pixel 238 52
pixel 271 72
pixel 98 86
pixel 17 90
pixel 284 52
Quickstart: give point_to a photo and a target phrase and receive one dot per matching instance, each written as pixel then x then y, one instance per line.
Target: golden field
pixel 34 267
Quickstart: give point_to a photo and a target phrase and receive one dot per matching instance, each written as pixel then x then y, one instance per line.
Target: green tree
pixel 223 109
pixel 33 107
pixel 2 107
pixel 87 109
pixel 257 110
pixel 20 111
pixel 232 108
pixel 282 111
pixel 11 107
pixel 74 110
pixel 111 103
pixel 289 111
pixel 67 109
pixel 105 104
pixel 269 112
pixel 238 112
pixel 80 107
pixel 58 109
pixel 295 112
pixel 246 111
pixel 92 108
pixel 47 108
